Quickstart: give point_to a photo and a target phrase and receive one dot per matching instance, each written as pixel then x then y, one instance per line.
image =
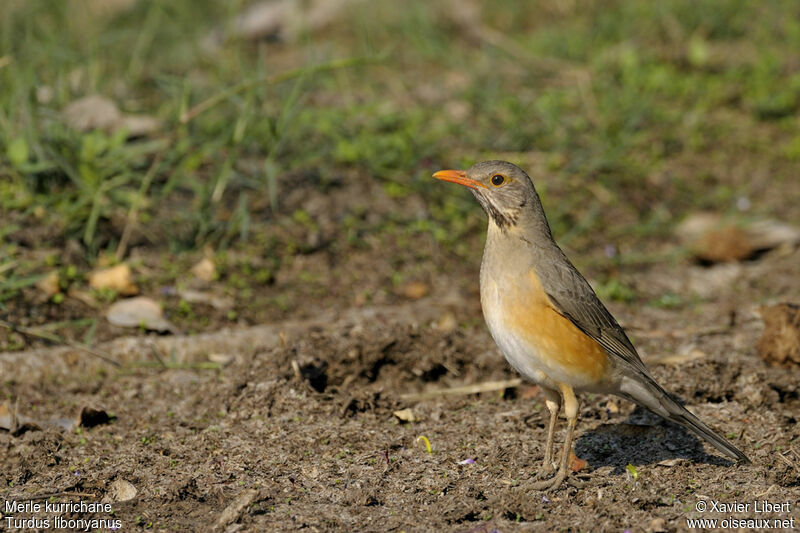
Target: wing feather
pixel 573 297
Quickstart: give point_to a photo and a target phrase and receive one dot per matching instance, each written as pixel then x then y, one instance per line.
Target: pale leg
pixel 571 412
pixel 553 403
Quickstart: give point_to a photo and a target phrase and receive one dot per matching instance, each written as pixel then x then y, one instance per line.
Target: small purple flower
pixel 610 250
pixel 545 500
pixel 467 461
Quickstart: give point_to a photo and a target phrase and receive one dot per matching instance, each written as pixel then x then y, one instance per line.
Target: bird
pixel 547 320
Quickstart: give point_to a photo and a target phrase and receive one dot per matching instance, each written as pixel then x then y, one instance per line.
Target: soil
pixel 294 427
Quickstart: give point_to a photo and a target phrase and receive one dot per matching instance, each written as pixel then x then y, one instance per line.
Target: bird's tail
pixel 644 391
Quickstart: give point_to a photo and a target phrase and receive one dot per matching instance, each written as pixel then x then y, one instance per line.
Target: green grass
pixel 628 114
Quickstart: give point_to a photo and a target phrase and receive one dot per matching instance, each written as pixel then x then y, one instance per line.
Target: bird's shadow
pixel 643 438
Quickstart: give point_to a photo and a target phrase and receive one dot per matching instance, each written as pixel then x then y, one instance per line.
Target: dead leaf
pixel 205 269
pixel 780 342
pixel 235 509
pixel 6 417
pixel 48 285
pixel 657 525
pixel 447 322
pixel 92 416
pixel 223 359
pixel 95 112
pixel 576 464
pixel 729 243
pixel 669 463
pixel 714 239
pixel 117 278
pixel 120 491
pixel 413 290
pixel 139 312
pixel 405 415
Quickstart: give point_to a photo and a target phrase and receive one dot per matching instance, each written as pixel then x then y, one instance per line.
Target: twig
pixel 55 338
pixel 475 388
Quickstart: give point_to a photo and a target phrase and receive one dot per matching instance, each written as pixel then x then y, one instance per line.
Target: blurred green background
pixel 316 134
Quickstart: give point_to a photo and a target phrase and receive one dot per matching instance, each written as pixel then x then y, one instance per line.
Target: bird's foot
pixel 546 472
pixel 547 485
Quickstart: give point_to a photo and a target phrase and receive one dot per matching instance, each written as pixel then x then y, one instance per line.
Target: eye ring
pixel 498 179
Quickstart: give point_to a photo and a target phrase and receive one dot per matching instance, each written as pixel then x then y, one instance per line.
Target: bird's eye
pixel 498 180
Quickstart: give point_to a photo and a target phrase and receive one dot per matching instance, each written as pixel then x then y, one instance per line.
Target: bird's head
pixel 503 189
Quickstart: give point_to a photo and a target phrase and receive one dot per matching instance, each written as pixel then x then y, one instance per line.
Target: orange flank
pixel 559 342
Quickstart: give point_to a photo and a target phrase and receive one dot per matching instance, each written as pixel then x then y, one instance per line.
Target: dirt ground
pixel 296 430
pixel 354 294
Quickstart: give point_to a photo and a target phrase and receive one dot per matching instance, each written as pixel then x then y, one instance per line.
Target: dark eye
pixel 498 180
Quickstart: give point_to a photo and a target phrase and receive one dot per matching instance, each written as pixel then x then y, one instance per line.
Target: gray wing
pixel 573 297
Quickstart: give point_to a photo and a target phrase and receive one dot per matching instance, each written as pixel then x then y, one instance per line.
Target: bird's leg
pixel 553 403
pixel 571 411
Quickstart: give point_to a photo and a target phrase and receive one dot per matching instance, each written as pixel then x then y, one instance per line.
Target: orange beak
pixel 460 177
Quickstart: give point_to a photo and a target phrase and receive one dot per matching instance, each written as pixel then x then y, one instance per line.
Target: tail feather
pixel 649 394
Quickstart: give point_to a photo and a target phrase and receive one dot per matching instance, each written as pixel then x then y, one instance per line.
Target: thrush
pixel 548 322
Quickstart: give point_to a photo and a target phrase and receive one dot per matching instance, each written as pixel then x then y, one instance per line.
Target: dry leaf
pixel 413 290
pixel 117 278
pixel 120 491
pixel 657 525
pixel 714 239
pixel 447 322
pixel 576 464
pixel 48 285
pixel 780 342
pixel 405 415
pixel 6 417
pixel 95 112
pixel 223 359
pixel 139 312
pixel 205 269
pixel 729 243
pixel 234 510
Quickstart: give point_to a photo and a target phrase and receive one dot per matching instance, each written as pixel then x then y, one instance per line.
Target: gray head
pixel 504 191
